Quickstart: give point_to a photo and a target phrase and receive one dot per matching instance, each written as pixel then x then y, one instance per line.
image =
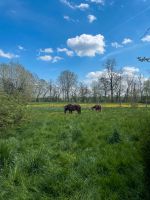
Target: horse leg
pixel 79 111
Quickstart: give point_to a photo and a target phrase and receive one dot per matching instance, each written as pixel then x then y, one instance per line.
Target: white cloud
pixel 47 50
pixel 45 58
pixel 91 18
pixel 95 75
pixel 67 18
pixel 68 52
pixel 130 71
pixel 98 1
pixel 81 6
pixel 116 45
pixel 7 55
pixel 49 58
pixel 87 45
pixel 67 3
pixel 56 59
pixel 127 71
pixel 21 48
pixel 126 41
pixel 146 38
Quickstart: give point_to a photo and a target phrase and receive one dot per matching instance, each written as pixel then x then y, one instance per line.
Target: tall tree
pixel 113 76
pixel 95 91
pixel 141 86
pixel 67 81
pixel 146 91
pixel 104 85
pixel 41 88
pixel 84 92
pixel 16 80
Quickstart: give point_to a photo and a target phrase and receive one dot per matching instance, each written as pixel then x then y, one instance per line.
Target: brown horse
pixel 71 107
pixel 97 108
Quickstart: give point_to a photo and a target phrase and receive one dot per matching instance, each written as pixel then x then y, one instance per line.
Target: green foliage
pixel 16 81
pixel 114 138
pixel 12 111
pixel 67 157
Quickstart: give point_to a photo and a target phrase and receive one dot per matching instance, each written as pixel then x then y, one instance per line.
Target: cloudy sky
pixel 48 36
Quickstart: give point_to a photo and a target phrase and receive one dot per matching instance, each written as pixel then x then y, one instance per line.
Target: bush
pixel 114 138
pixel 11 111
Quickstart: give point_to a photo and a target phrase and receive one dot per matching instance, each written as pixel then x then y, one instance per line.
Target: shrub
pixel 11 111
pixel 114 138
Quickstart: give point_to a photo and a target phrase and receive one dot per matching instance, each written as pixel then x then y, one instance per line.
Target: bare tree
pixel 50 90
pixel 67 81
pixel 146 91
pixel 143 59
pixel 128 83
pixel 141 86
pixel 41 88
pixel 16 80
pixel 112 75
pixel 95 91
pixel 104 85
pixel 119 89
pixel 83 92
pixel 56 92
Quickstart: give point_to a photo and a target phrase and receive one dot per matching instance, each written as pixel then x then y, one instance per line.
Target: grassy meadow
pixel 92 156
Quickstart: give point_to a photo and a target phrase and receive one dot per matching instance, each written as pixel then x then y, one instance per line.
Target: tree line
pixel 112 86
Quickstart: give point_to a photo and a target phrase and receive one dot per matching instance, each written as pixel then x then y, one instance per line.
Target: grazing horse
pixel 71 107
pixel 97 108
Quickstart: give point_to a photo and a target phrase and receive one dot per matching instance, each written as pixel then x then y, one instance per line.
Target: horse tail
pixel 65 110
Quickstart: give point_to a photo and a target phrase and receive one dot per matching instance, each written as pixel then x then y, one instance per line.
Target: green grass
pixel 92 156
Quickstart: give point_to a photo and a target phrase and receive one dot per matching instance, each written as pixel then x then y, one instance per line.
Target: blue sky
pixel 48 36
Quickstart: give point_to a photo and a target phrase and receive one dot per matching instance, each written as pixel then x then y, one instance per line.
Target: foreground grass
pixel 92 156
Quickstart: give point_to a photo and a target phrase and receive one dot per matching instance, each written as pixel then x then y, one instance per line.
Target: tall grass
pixel 92 156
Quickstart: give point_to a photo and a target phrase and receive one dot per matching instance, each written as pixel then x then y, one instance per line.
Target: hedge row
pixel 12 111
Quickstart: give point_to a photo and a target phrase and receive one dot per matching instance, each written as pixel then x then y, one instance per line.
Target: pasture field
pixel 92 156
pixel 85 105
